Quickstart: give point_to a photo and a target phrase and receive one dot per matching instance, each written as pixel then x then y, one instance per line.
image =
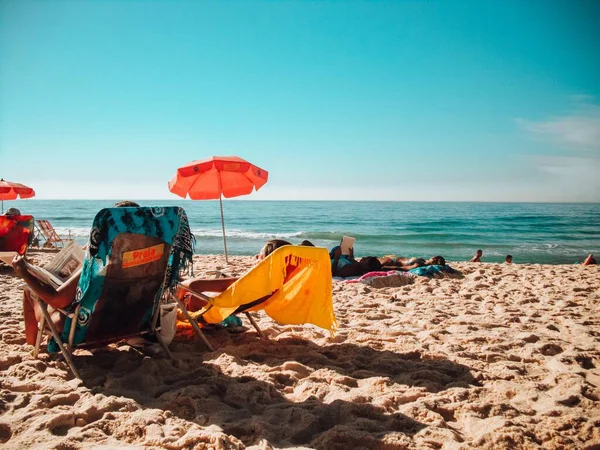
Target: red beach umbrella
pixel 217 177
pixel 10 191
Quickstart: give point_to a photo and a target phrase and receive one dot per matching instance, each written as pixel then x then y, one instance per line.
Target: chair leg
pixel 73 326
pixel 58 340
pixel 255 325
pixel 194 323
pixel 40 333
pixel 162 343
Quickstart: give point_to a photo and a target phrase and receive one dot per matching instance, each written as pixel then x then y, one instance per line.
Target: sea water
pixel 530 232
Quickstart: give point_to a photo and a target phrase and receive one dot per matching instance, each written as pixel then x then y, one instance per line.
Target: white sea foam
pixel 73 232
pixel 198 232
pixel 242 234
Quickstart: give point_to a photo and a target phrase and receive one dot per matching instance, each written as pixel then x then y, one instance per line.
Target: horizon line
pixel 311 200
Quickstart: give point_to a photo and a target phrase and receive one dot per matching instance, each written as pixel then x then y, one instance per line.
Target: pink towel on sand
pixel 385 279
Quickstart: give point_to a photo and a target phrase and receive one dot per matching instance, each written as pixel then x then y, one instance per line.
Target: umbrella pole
pixel 223 227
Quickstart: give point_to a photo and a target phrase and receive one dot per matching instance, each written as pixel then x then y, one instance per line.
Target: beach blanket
pixel 385 279
pixel 436 271
pixel 132 253
pixel 295 283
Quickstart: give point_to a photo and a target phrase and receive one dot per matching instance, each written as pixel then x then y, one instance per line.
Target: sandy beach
pixel 506 357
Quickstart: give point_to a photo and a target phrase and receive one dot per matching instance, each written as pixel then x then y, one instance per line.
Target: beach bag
pixel 168 321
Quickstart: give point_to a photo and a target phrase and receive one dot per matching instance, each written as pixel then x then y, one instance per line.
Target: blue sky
pixel 400 100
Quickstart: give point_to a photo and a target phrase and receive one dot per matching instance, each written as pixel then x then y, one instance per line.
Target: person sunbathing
pixel 589 261
pixel 413 263
pixel 346 266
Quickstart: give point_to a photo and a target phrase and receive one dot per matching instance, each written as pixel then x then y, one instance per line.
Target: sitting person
pixel 274 244
pixel 55 298
pixel 589 261
pixel 16 232
pixel 12 212
pixel 477 257
pixel 508 259
pixel 270 246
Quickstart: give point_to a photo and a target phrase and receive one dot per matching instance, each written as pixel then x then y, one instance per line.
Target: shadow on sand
pixel 267 400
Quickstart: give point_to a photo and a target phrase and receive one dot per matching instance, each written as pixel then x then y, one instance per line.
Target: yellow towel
pixel 300 280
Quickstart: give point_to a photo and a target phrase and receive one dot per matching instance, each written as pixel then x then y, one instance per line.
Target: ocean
pixel 531 232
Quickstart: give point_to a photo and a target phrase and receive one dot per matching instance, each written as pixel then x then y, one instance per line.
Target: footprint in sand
pixel 585 362
pixel 550 349
pixel 13 338
pixel 50 401
pixel 59 425
pixel 5 433
pixel 10 360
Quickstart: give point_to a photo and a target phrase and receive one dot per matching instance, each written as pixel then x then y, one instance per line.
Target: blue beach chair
pixel 133 261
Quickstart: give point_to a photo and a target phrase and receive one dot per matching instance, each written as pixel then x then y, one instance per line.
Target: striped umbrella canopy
pixel 12 191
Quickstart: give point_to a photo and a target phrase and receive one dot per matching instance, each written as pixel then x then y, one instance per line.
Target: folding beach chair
pixel 16 233
pixel 133 261
pixel 51 237
pixel 292 285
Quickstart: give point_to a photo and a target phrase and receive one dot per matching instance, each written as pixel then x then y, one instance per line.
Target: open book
pixel 66 264
pixel 346 244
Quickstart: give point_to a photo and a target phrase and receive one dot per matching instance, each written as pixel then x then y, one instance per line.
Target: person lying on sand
pixel 589 261
pixel 413 263
pixel 346 266
pixel 477 257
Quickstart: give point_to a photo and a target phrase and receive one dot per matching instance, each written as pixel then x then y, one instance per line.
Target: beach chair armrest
pixel 200 295
pixel 194 293
pixel 67 313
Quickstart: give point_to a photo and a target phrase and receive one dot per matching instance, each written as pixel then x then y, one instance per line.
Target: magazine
pixel 66 264
pixel 7 257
